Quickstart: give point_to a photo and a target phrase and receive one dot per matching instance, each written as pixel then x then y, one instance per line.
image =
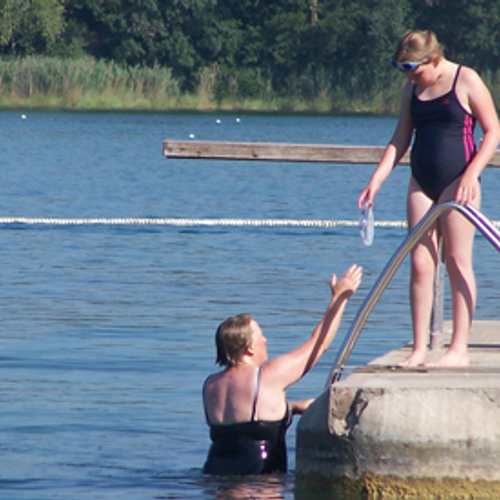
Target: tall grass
pixel 84 84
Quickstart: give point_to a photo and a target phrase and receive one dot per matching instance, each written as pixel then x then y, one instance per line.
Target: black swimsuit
pixel 254 447
pixel 444 141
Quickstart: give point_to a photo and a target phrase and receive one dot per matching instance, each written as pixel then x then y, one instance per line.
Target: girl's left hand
pixel 467 190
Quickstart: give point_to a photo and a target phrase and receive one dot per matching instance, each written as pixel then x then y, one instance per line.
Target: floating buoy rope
pixel 189 222
pixel 53 221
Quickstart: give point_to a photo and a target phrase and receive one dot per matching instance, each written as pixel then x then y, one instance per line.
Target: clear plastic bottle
pixel 366 223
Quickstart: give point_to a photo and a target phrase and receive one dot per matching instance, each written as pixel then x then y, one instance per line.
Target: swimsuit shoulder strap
pixel 457 74
pixel 204 403
pixel 256 393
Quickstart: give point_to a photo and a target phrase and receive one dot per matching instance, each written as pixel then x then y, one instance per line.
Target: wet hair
pixel 232 338
pixel 418 45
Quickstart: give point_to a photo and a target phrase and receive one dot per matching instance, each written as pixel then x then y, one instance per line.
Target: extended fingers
pixel 356 273
pixel 351 279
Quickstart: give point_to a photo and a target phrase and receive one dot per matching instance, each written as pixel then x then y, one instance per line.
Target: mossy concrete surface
pixel 372 487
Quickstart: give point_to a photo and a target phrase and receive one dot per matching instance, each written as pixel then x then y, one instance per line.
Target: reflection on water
pixel 277 487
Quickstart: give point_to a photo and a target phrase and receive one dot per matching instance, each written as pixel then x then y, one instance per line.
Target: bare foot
pixel 416 358
pixel 451 359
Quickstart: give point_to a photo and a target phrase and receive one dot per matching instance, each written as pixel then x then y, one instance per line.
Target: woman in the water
pixel 245 404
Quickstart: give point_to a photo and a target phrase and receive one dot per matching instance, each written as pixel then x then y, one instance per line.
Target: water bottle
pixel 366 224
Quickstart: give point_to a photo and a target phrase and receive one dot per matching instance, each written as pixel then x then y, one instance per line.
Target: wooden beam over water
pixel 269 151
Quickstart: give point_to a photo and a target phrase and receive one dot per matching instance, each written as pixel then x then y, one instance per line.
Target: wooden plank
pixel 272 152
pixel 267 151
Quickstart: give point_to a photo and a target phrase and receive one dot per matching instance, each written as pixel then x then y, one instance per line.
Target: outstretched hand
pixel 349 283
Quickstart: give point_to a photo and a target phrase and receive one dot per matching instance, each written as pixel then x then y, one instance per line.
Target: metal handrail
pixel 482 223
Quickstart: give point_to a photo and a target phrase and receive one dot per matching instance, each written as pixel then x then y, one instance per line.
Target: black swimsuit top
pixel 254 447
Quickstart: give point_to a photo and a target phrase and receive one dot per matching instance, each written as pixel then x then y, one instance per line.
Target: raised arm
pixel 288 368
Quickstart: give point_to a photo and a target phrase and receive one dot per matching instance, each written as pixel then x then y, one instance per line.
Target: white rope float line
pixel 190 222
pixel 195 222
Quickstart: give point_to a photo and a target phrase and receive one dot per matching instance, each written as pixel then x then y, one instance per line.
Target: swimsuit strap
pixel 204 404
pixel 457 74
pixel 257 381
pixel 456 78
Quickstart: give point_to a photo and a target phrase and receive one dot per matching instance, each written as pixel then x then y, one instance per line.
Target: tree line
pixel 251 48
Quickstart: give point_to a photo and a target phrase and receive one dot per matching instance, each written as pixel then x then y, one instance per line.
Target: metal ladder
pixel 482 223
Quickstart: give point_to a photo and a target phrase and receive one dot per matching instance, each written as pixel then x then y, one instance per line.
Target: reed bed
pixel 88 84
pixel 84 84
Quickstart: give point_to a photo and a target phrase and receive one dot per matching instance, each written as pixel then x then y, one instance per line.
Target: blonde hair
pixel 232 338
pixel 418 45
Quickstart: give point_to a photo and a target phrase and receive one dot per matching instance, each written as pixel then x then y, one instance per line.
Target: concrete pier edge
pixel 386 432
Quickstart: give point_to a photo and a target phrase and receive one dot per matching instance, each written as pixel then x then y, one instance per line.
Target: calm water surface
pixel 107 331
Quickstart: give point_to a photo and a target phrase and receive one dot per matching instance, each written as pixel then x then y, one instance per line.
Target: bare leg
pixel 423 267
pixel 458 237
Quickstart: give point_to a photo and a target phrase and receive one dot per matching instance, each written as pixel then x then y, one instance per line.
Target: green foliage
pixel 327 54
pixel 30 26
pixel 470 31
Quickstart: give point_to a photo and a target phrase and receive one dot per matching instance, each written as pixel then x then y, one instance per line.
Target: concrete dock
pixel 389 432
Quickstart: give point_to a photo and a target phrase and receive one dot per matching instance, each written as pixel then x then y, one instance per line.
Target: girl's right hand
pixel 367 196
pixel 365 199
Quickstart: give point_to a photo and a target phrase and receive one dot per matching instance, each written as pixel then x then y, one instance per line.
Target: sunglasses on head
pixel 408 65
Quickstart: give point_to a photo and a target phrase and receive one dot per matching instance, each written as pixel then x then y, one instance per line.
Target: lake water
pixel 108 330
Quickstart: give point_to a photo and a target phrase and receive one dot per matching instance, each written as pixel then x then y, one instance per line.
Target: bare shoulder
pixel 470 78
pixel 473 93
pixel 269 368
pixel 212 380
pixel 284 370
pixel 271 372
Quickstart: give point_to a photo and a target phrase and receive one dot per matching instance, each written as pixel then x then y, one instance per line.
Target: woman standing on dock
pixel 441 103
